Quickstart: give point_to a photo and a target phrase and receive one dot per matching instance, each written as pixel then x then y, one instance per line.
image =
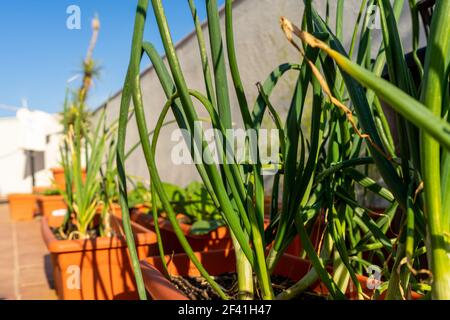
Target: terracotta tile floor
pixel 25 270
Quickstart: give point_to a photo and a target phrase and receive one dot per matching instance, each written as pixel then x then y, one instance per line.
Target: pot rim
pixel 164 224
pixel 43 197
pixel 61 169
pixel 21 195
pixel 142 236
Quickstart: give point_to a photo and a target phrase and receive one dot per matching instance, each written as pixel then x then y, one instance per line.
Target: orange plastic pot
pixel 22 206
pixel 52 207
pixel 98 269
pixel 59 178
pixel 215 240
pixel 141 208
pixel 296 248
pixel 41 189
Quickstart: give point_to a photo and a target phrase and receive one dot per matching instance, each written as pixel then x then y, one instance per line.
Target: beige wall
pixel 261 47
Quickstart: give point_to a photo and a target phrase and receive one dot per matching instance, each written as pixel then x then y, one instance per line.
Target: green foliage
pixel 194 202
pixel 52 192
pixel 318 173
pixel 420 182
pixel 139 195
pixel 198 204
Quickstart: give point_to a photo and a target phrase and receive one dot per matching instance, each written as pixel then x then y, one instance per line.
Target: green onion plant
pixel 318 172
pixel 419 181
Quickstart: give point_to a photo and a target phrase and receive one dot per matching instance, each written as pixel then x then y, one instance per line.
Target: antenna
pixel 73 78
pixel 9 108
pixel 25 103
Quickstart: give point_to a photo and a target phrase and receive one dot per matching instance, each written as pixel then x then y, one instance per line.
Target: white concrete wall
pixel 261 47
pixel 14 167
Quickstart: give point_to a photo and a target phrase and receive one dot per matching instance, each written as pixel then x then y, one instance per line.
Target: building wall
pixel 15 174
pixel 260 45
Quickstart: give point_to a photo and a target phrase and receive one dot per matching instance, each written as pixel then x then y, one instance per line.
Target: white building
pixel 15 162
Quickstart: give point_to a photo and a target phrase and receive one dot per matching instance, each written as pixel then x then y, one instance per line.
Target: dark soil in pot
pixel 197 288
pixel 94 231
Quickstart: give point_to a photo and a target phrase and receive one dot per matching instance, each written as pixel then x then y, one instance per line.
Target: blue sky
pixel 39 54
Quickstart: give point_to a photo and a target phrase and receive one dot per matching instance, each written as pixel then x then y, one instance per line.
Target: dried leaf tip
pixel 287 27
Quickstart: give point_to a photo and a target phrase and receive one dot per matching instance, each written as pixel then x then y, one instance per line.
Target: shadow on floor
pixel 49 271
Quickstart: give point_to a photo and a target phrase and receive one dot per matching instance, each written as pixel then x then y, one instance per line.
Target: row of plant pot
pixel 24 207
pixel 216 254
pixel 96 269
pixel 100 268
pixel 46 201
pixel 217 239
pixel 59 179
pixel 223 261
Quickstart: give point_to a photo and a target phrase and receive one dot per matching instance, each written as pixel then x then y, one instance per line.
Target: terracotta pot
pixel 98 269
pixel 59 178
pixel 52 207
pixel 41 190
pixel 296 248
pixel 22 207
pixel 223 261
pixel 141 208
pixel 215 240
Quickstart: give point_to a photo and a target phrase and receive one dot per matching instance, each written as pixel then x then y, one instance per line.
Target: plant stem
pixel 244 272
pixel 131 83
pixel 435 87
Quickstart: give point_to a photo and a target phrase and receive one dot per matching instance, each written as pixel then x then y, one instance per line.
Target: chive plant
pixel 418 173
pixel 318 174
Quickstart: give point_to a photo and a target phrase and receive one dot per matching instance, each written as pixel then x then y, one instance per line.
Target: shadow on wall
pixel 36 159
